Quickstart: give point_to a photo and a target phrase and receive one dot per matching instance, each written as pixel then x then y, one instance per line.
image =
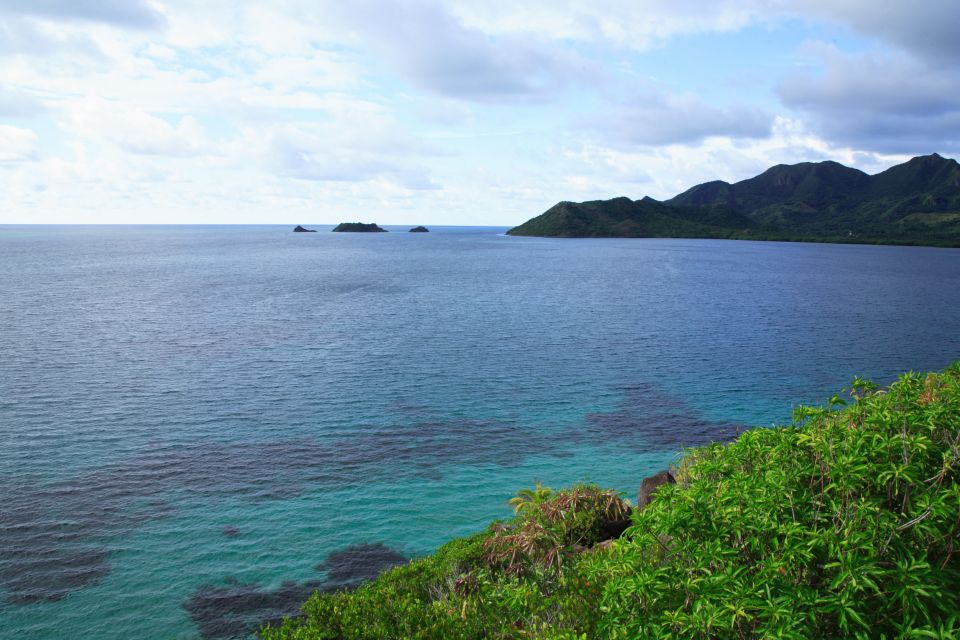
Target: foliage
pixel 527 499
pixel 552 527
pixel 518 579
pixel 845 524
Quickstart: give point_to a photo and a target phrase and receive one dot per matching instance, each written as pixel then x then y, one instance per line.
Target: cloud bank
pixel 449 112
pixel 133 14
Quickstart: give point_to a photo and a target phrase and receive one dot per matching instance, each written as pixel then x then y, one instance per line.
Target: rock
pixel 419 230
pixel 359 227
pixel 615 528
pixel 299 229
pixel 603 545
pixel 649 486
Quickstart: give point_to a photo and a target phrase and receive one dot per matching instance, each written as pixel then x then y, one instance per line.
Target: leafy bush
pixel 518 579
pixel 846 524
pixel 552 527
pixel 529 499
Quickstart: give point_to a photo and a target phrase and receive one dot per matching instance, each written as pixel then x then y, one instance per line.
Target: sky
pixel 449 112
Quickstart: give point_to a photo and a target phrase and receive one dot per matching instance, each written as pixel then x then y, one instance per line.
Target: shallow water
pixel 203 424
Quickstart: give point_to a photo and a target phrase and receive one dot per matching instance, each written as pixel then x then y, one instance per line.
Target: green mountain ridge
pixel 917 202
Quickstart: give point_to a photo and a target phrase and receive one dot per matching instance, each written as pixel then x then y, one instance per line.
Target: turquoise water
pixel 203 424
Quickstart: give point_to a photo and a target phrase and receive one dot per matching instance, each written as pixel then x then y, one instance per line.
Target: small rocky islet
pixel 359 227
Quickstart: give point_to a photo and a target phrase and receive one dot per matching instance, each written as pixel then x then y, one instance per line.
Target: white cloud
pixel 14 103
pixel 477 112
pixel 359 143
pixel 665 171
pixel 636 24
pixel 656 118
pixel 930 28
pixel 889 101
pixel 160 52
pixel 879 82
pixel 315 72
pixel 17 145
pixel 135 130
pixel 136 14
pixel 431 47
pixel 23 36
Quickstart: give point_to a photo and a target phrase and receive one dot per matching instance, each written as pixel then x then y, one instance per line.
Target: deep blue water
pixel 195 419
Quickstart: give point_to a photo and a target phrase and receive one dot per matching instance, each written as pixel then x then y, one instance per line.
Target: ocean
pixel 203 424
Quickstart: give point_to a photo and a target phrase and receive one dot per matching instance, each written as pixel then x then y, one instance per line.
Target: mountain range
pixel 917 202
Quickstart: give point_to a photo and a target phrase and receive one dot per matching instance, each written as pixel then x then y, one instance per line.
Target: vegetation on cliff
pixel 917 202
pixel 844 524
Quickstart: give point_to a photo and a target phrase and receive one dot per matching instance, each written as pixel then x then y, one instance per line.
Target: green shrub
pixel 552 528
pixel 506 582
pixel 845 525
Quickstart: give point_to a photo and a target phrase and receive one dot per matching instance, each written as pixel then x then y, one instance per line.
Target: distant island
pixel 419 230
pixel 299 229
pixel 914 203
pixel 359 227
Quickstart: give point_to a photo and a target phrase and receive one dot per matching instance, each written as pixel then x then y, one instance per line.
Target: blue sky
pixel 442 112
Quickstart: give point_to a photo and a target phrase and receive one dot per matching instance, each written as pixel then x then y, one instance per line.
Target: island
pixel 419 230
pixel 359 227
pixel 914 203
pixel 299 229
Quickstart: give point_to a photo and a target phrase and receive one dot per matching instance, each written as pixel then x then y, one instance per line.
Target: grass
pixel 845 524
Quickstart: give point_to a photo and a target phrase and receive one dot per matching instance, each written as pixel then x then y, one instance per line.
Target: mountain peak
pixel 931 159
pixel 809 184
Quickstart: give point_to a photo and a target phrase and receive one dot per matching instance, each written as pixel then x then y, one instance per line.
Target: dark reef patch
pixel 651 420
pixel 52 542
pixel 55 539
pixel 237 610
pixel 359 563
pixel 427 444
pixel 49 570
